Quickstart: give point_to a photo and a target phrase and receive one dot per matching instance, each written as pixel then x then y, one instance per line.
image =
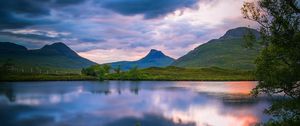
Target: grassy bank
pixel 183 74
pixel 45 77
pixel 151 74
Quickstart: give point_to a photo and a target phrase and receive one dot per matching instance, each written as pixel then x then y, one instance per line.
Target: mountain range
pixel 154 58
pixel 56 55
pixel 226 52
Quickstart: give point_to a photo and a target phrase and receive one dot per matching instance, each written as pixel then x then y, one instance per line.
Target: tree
pixel 101 73
pixel 103 70
pixel 249 37
pixel 293 4
pixel 134 73
pixel 278 65
pixel 90 71
pixel 97 71
pixel 106 68
pixel 118 69
pixel 2 71
pixel 7 67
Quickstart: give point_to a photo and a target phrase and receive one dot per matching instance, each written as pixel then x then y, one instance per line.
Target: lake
pixel 130 103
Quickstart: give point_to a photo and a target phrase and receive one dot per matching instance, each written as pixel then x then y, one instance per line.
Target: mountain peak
pixel 154 58
pixel 226 52
pixel 59 48
pixel 155 54
pixel 239 32
pixel 57 45
pixel 154 51
pixel 56 55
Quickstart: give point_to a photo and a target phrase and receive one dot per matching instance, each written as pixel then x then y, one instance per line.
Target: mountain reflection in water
pixel 127 103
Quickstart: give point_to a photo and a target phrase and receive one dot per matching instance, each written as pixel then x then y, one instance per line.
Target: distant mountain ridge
pixel 239 33
pixel 55 55
pixel 225 52
pixel 58 49
pixel 7 47
pixel 154 58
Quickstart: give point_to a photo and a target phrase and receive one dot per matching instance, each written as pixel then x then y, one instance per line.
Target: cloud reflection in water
pixel 127 103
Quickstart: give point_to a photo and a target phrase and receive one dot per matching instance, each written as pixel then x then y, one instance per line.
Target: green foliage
pixel 175 73
pixel 138 124
pixel 11 72
pixel 249 39
pixel 117 69
pixel 90 71
pixel 278 65
pixel 286 112
pixel 155 73
pixel 99 71
pixel 2 71
pixel 106 68
pixel 134 73
pixel 6 68
pixel 45 77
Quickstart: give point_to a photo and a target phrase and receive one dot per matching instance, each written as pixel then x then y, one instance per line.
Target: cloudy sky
pixel 114 30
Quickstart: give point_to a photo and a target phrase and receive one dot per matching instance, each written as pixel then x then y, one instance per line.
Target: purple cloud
pixel 104 31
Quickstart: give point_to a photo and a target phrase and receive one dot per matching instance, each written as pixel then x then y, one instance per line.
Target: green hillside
pixel 226 52
pixel 57 55
pixel 183 74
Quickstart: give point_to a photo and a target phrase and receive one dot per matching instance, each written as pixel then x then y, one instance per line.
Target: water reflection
pixel 115 103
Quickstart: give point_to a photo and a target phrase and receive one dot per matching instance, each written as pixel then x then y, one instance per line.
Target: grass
pixel 184 74
pixel 37 73
pixel 154 73
pixel 45 77
pixel 224 53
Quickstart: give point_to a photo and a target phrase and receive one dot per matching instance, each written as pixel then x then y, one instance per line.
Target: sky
pixel 115 30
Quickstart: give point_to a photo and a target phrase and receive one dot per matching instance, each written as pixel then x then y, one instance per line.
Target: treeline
pixel 11 72
pixel 9 67
pixel 103 72
pixel 5 69
pixel 97 71
pixel 171 73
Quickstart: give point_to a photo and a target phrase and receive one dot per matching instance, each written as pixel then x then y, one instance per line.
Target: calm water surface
pixel 126 103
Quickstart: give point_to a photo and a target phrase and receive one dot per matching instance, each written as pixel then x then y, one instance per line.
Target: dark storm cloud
pixel 11 21
pixel 9 9
pixel 22 13
pixel 31 36
pixel 148 8
pixel 7 20
pixel 27 7
pixel 68 2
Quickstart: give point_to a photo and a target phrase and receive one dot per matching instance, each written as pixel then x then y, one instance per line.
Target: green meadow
pixel 154 73
pixel 183 74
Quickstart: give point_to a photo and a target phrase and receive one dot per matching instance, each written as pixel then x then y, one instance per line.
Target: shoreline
pixel 154 74
pixel 31 80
